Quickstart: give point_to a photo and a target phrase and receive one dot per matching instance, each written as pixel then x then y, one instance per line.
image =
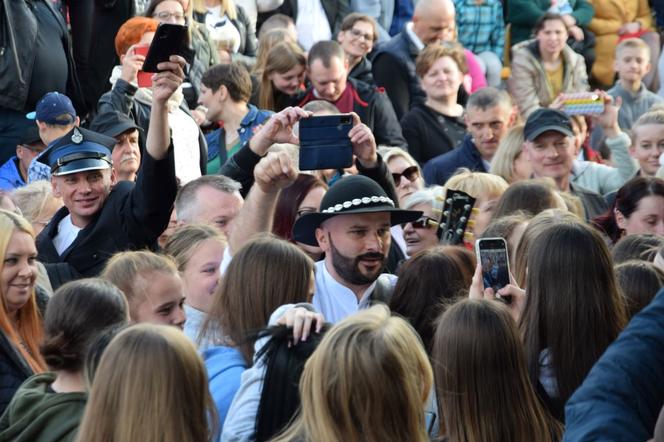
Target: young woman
pixel 159 393
pixel 152 285
pixel 281 78
pixel 21 329
pixel 508 162
pixel 264 274
pixel 342 389
pixel 482 383
pixel 639 281
pixel 429 282
pixel 545 67
pixel 638 208
pixel 198 250
pixel 648 142
pixel 436 126
pixel 49 406
pixel 357 37
pixel 302 197
pixel 573 311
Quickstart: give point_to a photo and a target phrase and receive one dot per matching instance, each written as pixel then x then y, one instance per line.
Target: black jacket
pixel 362 72
pixel 18 34
pixel 441 168
pixel 393 65
pixel 121 98
pixel 374 109
pixel 132 218
pixel 430 133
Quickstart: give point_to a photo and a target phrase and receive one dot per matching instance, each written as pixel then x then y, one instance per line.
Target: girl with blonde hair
pixel 508 162
pixel 281 76
pixel 21 328
pixel 343 391
pixel 150 386
pixel 484 392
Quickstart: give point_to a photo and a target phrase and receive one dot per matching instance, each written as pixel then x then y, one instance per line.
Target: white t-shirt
pixel 186 149
pixel 312 25
pixel 67 233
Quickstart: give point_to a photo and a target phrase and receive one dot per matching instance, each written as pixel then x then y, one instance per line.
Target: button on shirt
pixel 334 300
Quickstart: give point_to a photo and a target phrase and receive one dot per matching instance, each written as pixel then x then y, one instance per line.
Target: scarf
pixel 144 94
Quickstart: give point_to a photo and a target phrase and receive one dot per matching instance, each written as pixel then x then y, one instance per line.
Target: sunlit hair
pixel 574 308
pixel 529 196
pixel 227 7
pixel 429 282
pixel 434 52
pixel 477 184
pixel 33 199
pixel 652 117
pixel 28 332
pixel 642 246
pixel 281 58
pixel 182 244
pixel 343 389
pixel 633 43
pixel 509 150
pixel 264 274
pixel 639 281
pixel 151 386
pixel 266 42
pixel 535 227
pixel 482 384
pixel 132 272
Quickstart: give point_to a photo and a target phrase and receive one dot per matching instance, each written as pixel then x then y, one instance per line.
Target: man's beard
pixel 349 268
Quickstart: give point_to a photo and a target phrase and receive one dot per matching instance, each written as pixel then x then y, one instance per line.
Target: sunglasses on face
pixel 410 173
pixel 424 222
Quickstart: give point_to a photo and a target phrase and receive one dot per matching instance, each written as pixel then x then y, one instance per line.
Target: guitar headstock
pixel 453 208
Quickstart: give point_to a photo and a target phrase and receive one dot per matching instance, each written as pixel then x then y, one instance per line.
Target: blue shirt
pixel 10 176
pixel 481 27
pixel 255 117
pixel 225 366
pixel 403 12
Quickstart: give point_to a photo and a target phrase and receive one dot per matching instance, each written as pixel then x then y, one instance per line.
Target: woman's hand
pixel 165 83
pixel 576 33
pixel 301 321
pixel 513 296
pixel 131 64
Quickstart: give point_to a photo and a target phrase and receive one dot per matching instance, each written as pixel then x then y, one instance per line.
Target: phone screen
pixel 492 253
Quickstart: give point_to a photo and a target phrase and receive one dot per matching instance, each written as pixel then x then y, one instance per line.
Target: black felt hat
pixel 350 195
pixel 112 124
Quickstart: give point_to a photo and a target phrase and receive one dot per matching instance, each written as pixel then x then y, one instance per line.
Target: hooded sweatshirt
pixel 38 414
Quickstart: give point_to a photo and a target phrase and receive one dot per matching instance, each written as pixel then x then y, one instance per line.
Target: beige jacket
pixel 528 83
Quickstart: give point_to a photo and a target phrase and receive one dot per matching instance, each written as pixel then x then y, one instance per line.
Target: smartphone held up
pixel 492 255
pixel 324 142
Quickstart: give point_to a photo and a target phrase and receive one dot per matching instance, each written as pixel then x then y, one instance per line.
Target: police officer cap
pixel 78 151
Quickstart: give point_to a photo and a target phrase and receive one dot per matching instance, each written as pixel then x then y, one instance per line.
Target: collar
pixel 624 92
pixel 330 281
pixel 413 37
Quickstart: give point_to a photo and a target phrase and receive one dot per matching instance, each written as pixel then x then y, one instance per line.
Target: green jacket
pixel 523 14
pixel 37 414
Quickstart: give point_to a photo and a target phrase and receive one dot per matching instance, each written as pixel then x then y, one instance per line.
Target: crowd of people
pixel 168 273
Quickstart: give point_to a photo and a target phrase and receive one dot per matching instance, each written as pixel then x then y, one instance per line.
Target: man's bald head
pixel 433 21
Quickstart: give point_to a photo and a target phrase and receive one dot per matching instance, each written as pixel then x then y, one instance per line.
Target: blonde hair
pixel 182 244
pixel 266 42
pixel 281 58
pixel 477 184
pixel 227 7
pixel 28 333
pixel 650 117
pixel 151 386
pixel 509 149
pixel 633 43
pixel 130 272
pixel 343 391
pixel 573 204
pixel 33 198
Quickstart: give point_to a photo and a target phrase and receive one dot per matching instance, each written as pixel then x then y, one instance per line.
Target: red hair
pixel 132 31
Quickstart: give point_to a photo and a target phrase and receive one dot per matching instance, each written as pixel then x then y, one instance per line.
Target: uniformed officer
pixel 100 215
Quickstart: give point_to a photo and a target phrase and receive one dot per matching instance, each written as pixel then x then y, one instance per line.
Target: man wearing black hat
pixel 353 229
pixel 14 173
pixel 126 154
pixel 101 216
pixel 550 149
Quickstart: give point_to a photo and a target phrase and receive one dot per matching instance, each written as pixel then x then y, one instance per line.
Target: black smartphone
pixel 169 40
pixel 492 254
pixel 324 142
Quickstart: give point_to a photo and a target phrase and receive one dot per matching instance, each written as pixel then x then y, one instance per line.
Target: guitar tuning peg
pixel 463 219
pixel 459 231
pixel 466 207
pixel 446 213
pixel 448 200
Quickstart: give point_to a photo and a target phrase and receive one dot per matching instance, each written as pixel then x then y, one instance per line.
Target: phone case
pixel 583 103
pixel 497 276
pixel 324 142
pixel 169 40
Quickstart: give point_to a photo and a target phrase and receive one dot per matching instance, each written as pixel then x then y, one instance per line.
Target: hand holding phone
pixel 583 103
pixel 492 256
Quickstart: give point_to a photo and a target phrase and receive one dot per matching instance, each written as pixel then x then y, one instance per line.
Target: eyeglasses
pixel 359 34
pixel 165 15
pixel 410 173
pixel 424 222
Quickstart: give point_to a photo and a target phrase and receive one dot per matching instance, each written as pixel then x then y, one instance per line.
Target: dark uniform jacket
pixel 132 218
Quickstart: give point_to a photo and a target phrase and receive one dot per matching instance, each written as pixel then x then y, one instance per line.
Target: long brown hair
pixel 150 386
pixel 574 308
pixel 482 384
pixel 265 274
pixel 343 386
pixel 28 333
pixel 282 58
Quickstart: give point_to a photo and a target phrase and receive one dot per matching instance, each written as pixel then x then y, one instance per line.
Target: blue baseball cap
pixel 54 108
pixel 78 151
